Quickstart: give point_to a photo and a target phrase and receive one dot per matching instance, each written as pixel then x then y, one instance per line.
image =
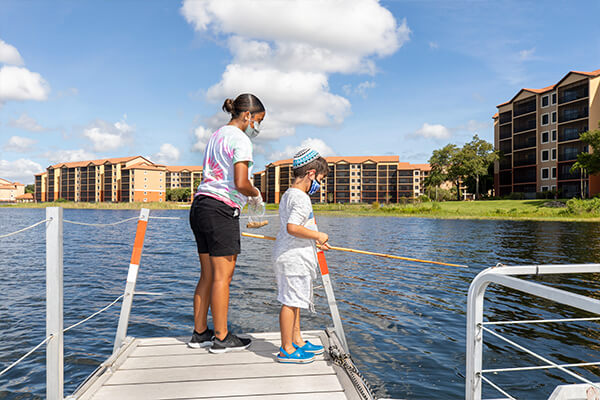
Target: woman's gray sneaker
pixel 203 339
pixel 230 343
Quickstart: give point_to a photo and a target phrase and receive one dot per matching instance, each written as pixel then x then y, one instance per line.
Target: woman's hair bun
pixel 228 106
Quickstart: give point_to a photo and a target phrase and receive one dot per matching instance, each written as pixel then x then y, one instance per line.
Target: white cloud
pixel 17 83
pixel 19 144
pixel 168 154
pixel 201 136
pixel 21 170
pixel 433 45
pixel 284 53
pixel 26 122
pixel 106 136
pixel 59 156
pixel 314 143
pixel 526 54
pixel 360 89
pixel 434 131
pixel 9 54
pixel 477 126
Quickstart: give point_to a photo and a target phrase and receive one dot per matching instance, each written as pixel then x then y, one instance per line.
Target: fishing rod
pixel 370 253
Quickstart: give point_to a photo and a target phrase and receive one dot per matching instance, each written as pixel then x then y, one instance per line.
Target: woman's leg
pixel 222 273
pixel 287 318
pixel 297 333
pixel 202 294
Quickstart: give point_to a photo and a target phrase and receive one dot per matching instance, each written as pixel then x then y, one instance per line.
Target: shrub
pixel 424 198
pixel 516 196
pixel 375 205
pixel 579 206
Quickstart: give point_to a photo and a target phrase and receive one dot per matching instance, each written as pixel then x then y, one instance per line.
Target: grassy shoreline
pixel 525 210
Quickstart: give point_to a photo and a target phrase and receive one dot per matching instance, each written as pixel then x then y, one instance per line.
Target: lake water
pixel 405 322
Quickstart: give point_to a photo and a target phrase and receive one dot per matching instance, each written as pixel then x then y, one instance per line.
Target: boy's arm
pixel 302 232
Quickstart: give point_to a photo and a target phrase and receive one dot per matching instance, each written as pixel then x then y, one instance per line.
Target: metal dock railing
pixel 165 368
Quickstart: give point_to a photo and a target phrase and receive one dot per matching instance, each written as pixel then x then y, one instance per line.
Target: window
pixel 553 157
pixel 545 155
pixel 554 98
pixel 554 135
pixel 545 101
pixel 416 179
pixel 145 193
pixel 145 172
pixel 545 173
pixel 145 186
pixel 545 119
pixel 545 137
pixel 553 187
pixel 145 200
pixel 553 117
pixel 416 172
pixel 553 172
pixel 544 188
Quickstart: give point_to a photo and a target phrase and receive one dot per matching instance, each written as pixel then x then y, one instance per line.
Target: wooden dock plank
pixel 158 341
pixel 216 372
pixel 204 358
pixel 222 388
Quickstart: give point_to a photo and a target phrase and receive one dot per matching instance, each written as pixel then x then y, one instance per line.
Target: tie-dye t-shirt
pixel 227 146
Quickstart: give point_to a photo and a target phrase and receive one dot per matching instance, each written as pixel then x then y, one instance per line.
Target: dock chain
pixel 344 360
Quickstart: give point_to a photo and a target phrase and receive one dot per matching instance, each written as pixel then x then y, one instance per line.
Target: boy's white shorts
pixel 295 290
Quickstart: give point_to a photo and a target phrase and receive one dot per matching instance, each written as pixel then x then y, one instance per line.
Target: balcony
pixel 505 117
pixel 573 93
pixel 506 146
pixel 525 175
pixel 524 158
pixel 506 163
pixel 564 172
pixel 505 178
pixel 572 131
pixel 505 131
pixel 569 152
pixel 525 141
pixel 525 107
pixel 524 124
pixel 573 111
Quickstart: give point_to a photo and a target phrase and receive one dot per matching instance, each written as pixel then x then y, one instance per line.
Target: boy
pixel 295 255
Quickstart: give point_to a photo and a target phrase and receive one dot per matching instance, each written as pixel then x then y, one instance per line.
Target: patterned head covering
pixel 305 156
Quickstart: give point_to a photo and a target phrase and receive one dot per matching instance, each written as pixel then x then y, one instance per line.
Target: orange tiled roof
pixel 179 168
pixel 147 166
pixel 26 196
pixel 495 116
pixel 41 173
pixel 94 162
pixel 11 186
pixel 361 159
pixel 552 87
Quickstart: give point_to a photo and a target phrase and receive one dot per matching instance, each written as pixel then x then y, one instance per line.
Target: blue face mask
pixel 314 187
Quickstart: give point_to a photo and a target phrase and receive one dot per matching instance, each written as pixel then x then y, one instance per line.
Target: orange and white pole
pixel 333 308
pixel 134 266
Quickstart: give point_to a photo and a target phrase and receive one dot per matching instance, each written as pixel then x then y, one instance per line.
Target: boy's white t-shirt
pixel 293 255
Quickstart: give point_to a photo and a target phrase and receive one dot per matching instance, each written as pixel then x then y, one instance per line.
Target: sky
pixel 85 80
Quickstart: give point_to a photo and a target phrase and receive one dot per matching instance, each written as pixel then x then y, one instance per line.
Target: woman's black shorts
pixel 216 226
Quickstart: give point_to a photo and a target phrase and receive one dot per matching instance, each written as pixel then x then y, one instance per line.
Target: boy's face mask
pixel 314 186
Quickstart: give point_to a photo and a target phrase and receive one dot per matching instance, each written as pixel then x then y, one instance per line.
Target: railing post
pixel 333 308
pixel 54 304
pixel 475 337
pixel 134 266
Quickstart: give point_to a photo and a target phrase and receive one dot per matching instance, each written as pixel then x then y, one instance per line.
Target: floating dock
pixel 166 368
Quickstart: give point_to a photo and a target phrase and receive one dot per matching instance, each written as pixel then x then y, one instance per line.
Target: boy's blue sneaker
pixel 297 357
pixel 310 348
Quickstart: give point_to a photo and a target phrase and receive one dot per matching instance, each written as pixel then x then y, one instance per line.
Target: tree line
pixel 470 166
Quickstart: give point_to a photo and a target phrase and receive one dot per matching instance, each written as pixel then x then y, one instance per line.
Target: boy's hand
pixel 322 241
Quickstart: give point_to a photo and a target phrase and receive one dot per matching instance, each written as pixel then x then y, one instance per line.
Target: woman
pixel 214 218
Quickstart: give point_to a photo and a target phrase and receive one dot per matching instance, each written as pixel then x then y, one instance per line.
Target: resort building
pixel 537 133
pixel 9 191
pixel 351 180
pixel 184 177
pixel 125 179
